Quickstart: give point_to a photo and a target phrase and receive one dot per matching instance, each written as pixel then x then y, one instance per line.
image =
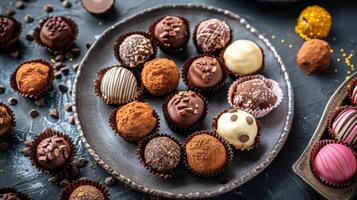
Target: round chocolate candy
pixel 205 72
pixel 171 31
pixel 344 126
pixel 98 7
pixel 7 29
pixel 86 192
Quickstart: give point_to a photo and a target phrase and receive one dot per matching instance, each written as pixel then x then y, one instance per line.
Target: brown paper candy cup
pixel 350 89
pixel 316 148
pixel 69 188
pixel 222 140
pixel 208 90
pixel 69 21
pixel 167 49
pixel 40 94
pixel 12 123
pixel 182 128
pixel 33 150
pixel 20 195
pixel 112 123
pixel 8 45
pixel 257 113
pixel 121 38
pixel 140 151
pixel 257 138
pixel 98 82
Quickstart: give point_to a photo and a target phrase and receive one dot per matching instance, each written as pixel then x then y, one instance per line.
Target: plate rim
pixel 236 182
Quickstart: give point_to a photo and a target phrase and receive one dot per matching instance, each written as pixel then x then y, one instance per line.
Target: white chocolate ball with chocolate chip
pixel 239 128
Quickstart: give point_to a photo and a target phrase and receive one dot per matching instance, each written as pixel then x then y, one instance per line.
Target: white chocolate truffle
pixel 243 57
pixel 239 128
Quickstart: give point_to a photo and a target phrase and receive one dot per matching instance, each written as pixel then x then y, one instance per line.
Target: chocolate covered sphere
pixel 5 121
pixel 7 29
pixel 32 78
pixel 53 153
pixel 205 72
pixel 87 192
pixel 171 31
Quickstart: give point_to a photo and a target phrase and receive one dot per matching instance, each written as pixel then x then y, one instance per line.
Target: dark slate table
pixel 275 20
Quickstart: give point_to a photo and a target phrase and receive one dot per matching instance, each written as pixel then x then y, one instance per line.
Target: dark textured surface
pixel 311 93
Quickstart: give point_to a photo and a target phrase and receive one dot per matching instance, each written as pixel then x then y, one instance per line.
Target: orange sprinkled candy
pixel 313 22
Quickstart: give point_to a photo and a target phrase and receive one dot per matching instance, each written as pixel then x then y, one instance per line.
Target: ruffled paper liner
pixel 216 52
pixel 98 82
pixel 12 123
pixel 140 151
pixel 104 13
pixel 257 137
pixel 112 123
pixel 33 150
pixel 350 89
pixel 18 29
pixel 208 90
pixel 69 21
pixel 257 113
pixel 121 38
pixel 234 75
pixel 315 149
pixel 40 94
pixel 179 127
pixel 69 188
pixel 228 147
pixel 20 195
pixel 166 49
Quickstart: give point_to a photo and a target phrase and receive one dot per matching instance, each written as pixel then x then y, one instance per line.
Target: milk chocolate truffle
pixel 6 121
pixel 162 154
pixel 9 196
pixel 205 154
pixel 32 77
pixel 212 35
pixel 171 32
pixel 53 153
pixel 98 7
pixel 314 56
pixel 243 57
pixel 86 192
pixel 119 86
pixel 135 120
pixel 7 29
pixel 185 108
pixel 135 50
pixel 56 33
pixel 160 76
pixel 205 72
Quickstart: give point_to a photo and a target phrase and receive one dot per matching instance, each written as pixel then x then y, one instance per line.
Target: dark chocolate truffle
pixel 5 121
pixel 7 29
pixel 135 50
pixel 53 153
pixel 86 192
pixel 314 56
pixel 162 154
pixel 160 76
pixel 205 72
pixel 212 35
pixel 171 31
pixel 97 7
pixel 56 33
pixel 185 108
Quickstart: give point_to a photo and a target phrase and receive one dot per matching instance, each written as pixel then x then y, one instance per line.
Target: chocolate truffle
pixel 135 50
pixel 212 35
pixel 162 154
pixel 334 164
pixel 9 196
pixel 205 154
pixel 353 94
pixel 171 32
pixel 7 29
pixel 135 120
pixel 243 57
pixel 56 33
pixel 5 121
pixel 32 77
pixel 185 108
pixel 160 76
pixel 86 192
pixel 344 126
pixel 53 153
pixel 97 7
pixel 314 56
pixel 239 128
pixel 119 86
pixel 205 72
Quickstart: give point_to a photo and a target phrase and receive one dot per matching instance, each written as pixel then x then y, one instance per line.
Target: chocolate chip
pixel 71 120
pixel 4 146
pixel 29 36
pixel 54 113
pixel 243 138
pixel 12 101
pixel 82 162
pixel 19 5
pixel 75 67
pixel 28 18
pixel 109 181
pixel 62 87
pixel 250 120
pixel 66 4
pixel 59 58
pixel 48 8
pixel 40 102
pixel 15 54
pixel 234 118
pixel 65 70
pixel 33 113
pixel 9 12
pixel 2 89
pixel 58 74
pixel 88 45
pixel 68 107
pixel 58 65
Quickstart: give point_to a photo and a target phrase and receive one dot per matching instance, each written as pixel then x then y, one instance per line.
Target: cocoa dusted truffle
pixel 86 192
pixel 314 56
pixel 160 76
pixel 205 72
pixel 7 29
pixel 162 154
pixel 6 121
pixel 53 153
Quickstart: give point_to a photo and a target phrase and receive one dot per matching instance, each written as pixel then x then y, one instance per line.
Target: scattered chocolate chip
pixel 75 66
pixel 234 118
pixel 58 74
pixel 62 87
pixel 58 65
pixel 109 181
pixel 65 70
pixel 15 54
pixel 59 58
pixel 54 113
pixel 2 89
pixel 68 107
pixel 29 142
pixel 4 146
pixel 53 180
pixel 40 102
pixel 48 8
pixel 19 5
pixel 28 18
pixel 26 151
pixel 66 4
pixel 12 101
pixel 33 113
pixel 249 120
pixel 68 55
pixel 71 120
pixel 82 162
pixel 64 183
pixel 9 12
pixel 88 45
pixel 243 138
pixel 29 36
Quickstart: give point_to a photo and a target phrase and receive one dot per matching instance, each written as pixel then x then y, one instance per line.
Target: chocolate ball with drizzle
pixel 205 72
pixel 7 29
